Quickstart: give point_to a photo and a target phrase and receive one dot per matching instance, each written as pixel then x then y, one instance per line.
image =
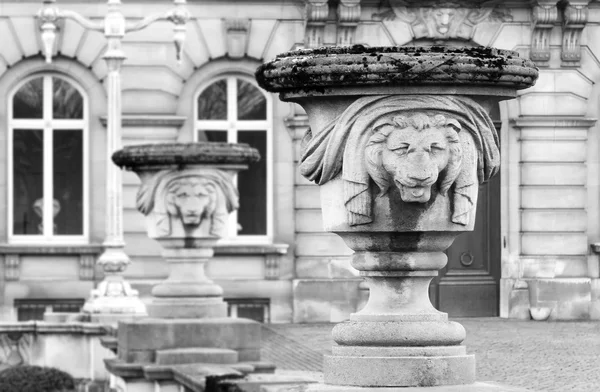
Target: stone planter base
pixel 401 371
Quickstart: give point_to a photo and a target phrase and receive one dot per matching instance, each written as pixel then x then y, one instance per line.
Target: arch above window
pixel 47 151
pixel 231 108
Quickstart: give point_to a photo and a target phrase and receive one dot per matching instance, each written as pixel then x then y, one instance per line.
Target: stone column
pixel 400 141
pixel 186 195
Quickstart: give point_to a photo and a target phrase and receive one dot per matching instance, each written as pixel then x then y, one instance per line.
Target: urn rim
pixel 169 154
pixel 323 71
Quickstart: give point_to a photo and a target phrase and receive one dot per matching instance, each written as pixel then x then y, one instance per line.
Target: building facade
pixel 538 221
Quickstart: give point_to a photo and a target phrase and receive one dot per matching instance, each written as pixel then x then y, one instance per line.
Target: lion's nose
pixel 418 176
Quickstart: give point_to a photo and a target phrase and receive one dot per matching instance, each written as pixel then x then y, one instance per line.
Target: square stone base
pixel 475 387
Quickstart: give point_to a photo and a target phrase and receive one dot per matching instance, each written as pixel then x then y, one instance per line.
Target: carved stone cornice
pixel 317 13
pixel 348 16
pixel 575 17
pixel 543 18
pixel 445 21
pixel 236 30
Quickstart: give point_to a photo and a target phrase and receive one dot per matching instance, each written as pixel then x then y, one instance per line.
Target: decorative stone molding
pixel 348 16
pixel 575 17
pixel 316 15
pixel 86 266
pixel 12 264
pixel 445 21
pixel 543 18
pixel 236 31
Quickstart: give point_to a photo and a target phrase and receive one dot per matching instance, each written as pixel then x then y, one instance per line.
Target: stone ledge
pixel 43 327
pixel 552 121
pixel 34 249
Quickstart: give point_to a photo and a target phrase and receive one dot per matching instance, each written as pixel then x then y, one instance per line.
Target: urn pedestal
pixel 400 139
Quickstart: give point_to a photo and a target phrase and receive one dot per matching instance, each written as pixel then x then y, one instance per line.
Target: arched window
pixel 47 161
pixel 233 109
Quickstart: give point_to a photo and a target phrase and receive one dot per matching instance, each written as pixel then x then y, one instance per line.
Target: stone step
pixel 196 355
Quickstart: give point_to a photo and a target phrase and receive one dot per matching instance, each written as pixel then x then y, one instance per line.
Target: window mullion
pixel 47 219
pixel 232 138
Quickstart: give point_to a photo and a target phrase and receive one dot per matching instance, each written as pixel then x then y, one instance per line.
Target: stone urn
pixel 400 139
pixel 186 195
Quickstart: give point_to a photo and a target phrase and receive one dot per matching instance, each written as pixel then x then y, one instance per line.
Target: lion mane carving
pixel 412 152
pixel 188 203
pixel 410 141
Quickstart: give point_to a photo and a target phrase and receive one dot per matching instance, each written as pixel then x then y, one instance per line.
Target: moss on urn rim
pixel 315 70
pixel 167 154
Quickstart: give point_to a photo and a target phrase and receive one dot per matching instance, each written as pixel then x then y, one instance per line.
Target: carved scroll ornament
pixel 192 203
pixel 412 142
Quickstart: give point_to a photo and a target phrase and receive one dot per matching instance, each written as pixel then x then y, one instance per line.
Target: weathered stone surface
pixel 315 70
pixel 187 307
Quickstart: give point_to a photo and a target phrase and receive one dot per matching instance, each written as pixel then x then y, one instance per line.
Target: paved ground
pixel 541 356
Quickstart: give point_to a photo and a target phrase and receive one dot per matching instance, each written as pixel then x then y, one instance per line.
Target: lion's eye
pixel 437 146
pixel 183 195
pixel 400 149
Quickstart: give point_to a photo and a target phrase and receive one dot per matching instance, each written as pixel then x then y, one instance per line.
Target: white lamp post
pixel 114 294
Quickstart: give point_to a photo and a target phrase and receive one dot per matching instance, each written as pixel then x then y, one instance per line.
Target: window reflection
pixel 212 102
pixel 68 181
pixel 28 181
pixel 66 100
pixel 251 103
pixel 29 99
pixel 252 185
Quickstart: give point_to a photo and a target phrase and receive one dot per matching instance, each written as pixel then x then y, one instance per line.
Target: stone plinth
pixel 400 139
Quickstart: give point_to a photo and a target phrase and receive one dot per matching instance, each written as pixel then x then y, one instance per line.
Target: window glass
pixel 66 100
pixel 212 102
pixel 252 185
pixel 68 182
pixel 28 102
pixel 251 103
pixel 28 181
pixel 212 136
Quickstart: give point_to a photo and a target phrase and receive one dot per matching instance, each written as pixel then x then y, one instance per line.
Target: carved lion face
pixel 412 153
pixel 192 199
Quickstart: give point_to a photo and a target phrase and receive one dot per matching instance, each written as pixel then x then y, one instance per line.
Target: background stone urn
pixel 400 139
pixel 186 195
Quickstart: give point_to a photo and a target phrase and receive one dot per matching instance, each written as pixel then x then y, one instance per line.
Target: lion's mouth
pixel 417 191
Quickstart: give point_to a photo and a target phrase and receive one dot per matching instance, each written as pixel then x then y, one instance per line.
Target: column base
pixel 474 387
pixel 187 308
pixel 399 366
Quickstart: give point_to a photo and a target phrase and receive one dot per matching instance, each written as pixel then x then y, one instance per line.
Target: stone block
pixel 595 287
pixel 595 310
pixel 196 355
pixel 553 197
pixel 325 300
pixel 563 290
pixel 321 244
pixel 518 304
pixel 554 244
pixel 571 310
pixel 554 220
pixel 148 334
pixel 399 371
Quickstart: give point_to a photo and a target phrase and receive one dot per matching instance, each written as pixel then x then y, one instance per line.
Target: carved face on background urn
pixel 192 200
pixel 413 153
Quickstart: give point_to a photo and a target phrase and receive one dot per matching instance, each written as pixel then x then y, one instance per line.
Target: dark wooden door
pixel 468 285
